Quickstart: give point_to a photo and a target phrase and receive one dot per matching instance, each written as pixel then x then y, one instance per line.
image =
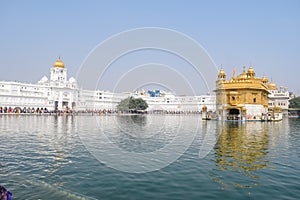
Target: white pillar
pixel 70 100
pixel 60 101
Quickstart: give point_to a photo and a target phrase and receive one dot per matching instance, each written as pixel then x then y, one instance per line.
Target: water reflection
pixel 136 120
pixel 58 148
pixel 44 157
pixel 39 147
pixel 241 148
pixel 137 133
pixel 141 144
pixel 139 126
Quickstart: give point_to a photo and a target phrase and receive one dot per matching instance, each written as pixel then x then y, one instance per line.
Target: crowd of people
pixel 28 110
pixel 172 112
pixel 32 110
pixel 23 110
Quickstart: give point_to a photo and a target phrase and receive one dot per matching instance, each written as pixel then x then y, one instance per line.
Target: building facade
pixel 247 97
pixel 242 97
pixel 161 101
pixel 279 98
pixel 58 93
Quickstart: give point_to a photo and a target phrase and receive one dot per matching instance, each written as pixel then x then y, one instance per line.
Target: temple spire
pixel 234 72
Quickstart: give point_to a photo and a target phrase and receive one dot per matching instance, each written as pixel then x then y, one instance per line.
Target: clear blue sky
pixel 235 33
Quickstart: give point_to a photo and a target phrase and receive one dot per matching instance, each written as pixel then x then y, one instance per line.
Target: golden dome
pixel 272 86
pixel 222 71
pixel 264 79
pixel 222 74
pixel 59 63
pixel 251 72
pixel 243 75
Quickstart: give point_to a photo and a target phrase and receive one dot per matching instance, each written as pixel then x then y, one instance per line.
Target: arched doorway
pixel 233 114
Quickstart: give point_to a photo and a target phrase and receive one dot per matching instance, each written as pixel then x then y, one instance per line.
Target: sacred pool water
pixel 148 157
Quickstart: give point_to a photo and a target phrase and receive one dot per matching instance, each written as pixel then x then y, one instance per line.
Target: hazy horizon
pixel 264 34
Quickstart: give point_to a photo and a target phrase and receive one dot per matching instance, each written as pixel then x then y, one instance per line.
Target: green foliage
pixel 140 104
pixel 131 104
pixel 295 103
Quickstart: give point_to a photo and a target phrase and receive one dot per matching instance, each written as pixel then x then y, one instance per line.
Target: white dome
pixel 44 79
pixel 72 80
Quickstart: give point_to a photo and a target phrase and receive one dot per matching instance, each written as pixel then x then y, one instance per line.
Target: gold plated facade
pixel 242 97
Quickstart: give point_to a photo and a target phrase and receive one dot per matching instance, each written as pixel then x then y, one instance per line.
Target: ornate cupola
pixel 251 72
pixel 58 73
pixel 243 75
pixel 222 74
pixel 264 80
pixel 272 86
pixel 59 63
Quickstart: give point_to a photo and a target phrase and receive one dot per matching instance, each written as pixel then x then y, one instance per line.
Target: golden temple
pixel 242 97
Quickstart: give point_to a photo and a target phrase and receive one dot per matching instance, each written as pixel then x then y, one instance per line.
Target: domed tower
pixel 264 80
pixel 59 63
pixel 243 75
pixel 58 73
pixel 272 86
pixel 222 75
pixel 251 72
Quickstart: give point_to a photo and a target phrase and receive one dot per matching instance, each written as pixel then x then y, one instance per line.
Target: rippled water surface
pixel 74 157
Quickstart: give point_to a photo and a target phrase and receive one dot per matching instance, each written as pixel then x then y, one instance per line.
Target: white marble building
pixel 60 93
pixel 279 98
pixel 55 93
pixel 166 101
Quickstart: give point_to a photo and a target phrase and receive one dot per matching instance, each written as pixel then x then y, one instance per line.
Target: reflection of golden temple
pixel 242 148
pixel 243 97
pixel 207 115
pixel 204 112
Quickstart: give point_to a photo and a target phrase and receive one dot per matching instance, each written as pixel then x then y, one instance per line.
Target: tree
pixel 295 103
pixel 140 104
pixel 131 104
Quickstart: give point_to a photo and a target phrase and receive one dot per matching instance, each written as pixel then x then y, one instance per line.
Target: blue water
pixel 49 157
